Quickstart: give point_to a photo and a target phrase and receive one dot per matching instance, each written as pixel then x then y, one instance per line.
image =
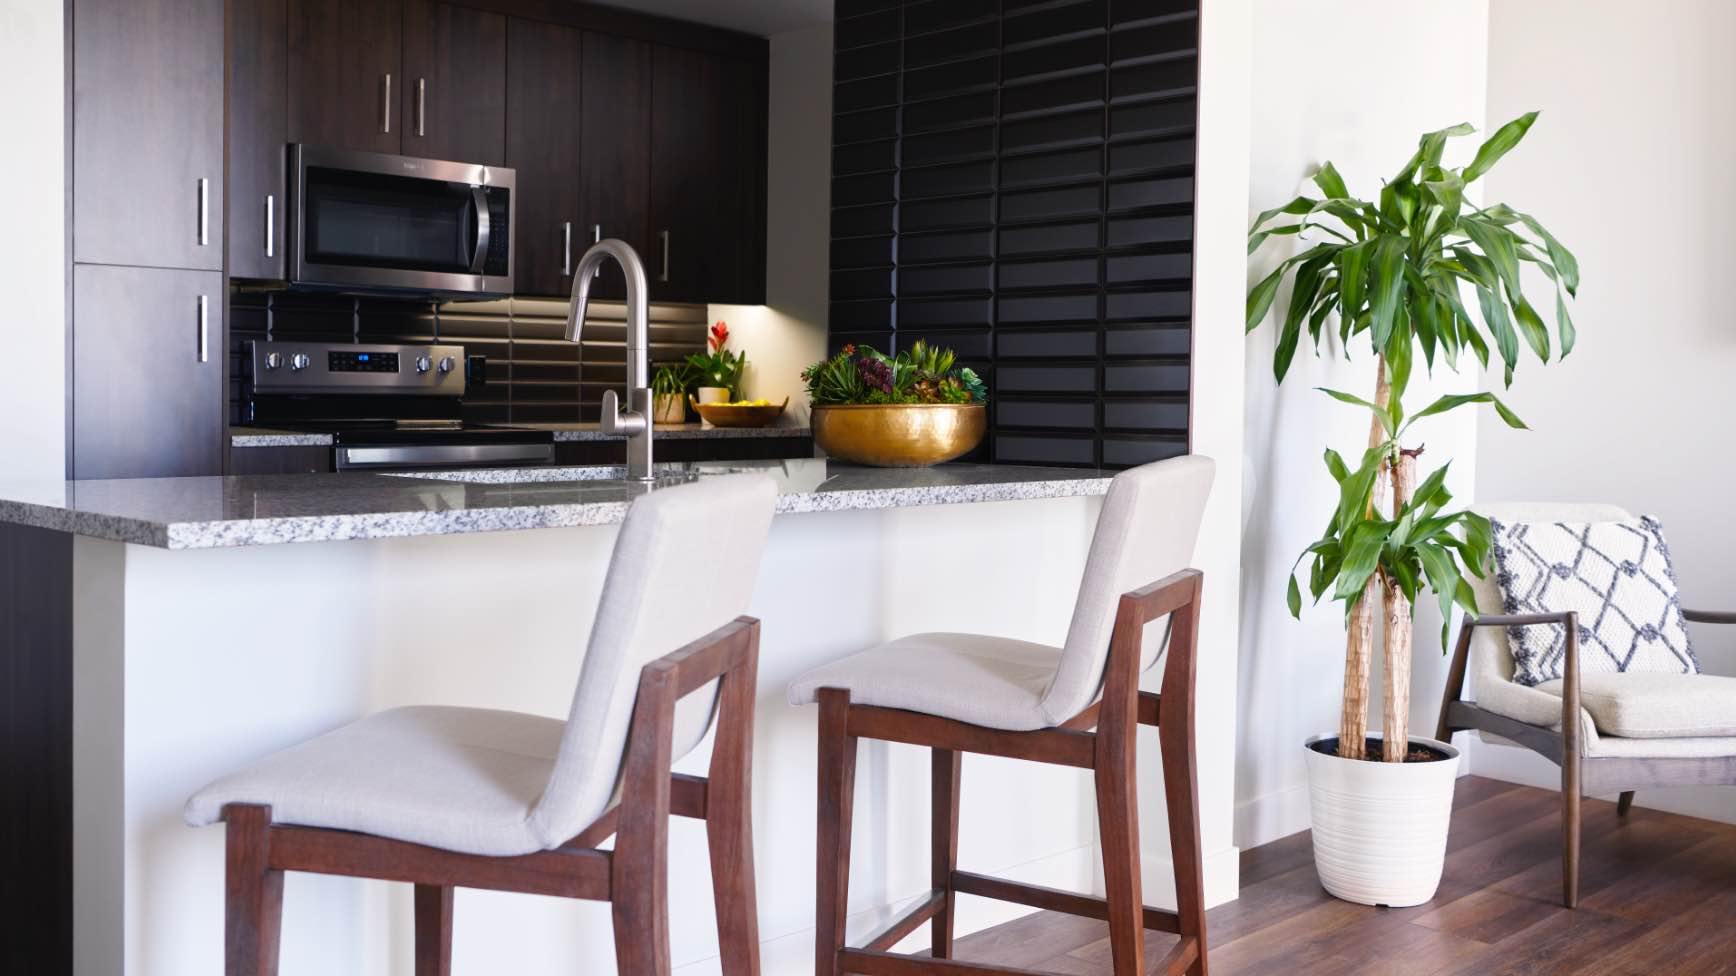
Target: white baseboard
pixel 1078 869
pixel 1263 819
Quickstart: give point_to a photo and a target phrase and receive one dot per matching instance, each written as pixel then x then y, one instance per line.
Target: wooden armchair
pixel 1582 731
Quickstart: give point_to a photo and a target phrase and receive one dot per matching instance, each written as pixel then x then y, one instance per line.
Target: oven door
pixel 372 223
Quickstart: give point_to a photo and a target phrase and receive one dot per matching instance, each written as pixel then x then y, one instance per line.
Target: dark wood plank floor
pixel 1657 898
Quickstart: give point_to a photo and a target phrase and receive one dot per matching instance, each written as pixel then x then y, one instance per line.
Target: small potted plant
pixel 1391 272
pixel 912 409
pixel 716 371
pixel 669 393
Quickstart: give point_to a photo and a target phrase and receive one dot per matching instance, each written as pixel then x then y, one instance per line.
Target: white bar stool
pixel 445 797
pixel 958 693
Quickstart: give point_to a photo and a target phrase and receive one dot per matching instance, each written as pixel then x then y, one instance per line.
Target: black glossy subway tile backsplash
pixel 1014 179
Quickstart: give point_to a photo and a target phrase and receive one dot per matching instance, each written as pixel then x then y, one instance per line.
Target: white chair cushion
pixel 460 779
pixel 1650 705
pixel 995 682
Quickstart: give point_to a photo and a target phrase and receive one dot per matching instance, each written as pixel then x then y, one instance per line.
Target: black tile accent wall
pixel 1015 179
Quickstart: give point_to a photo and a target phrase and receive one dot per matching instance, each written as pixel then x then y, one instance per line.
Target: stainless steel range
pixel 386 406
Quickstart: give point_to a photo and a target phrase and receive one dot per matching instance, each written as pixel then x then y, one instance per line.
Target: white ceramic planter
pixel 711 394
pixel 1380 829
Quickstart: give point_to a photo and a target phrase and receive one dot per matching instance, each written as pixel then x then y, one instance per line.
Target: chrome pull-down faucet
pixel 635 421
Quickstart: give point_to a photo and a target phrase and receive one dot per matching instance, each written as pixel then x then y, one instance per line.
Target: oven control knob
pixel 273 360
pixel 299 361
pixel 423 364
pixel 446 364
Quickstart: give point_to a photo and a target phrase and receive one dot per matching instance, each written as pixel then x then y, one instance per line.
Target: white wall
pixel 1630 166
pixel 787 333
pixel 33 247
pixel 1357 83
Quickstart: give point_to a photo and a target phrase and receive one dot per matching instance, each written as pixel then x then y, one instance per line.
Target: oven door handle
pixel 479 200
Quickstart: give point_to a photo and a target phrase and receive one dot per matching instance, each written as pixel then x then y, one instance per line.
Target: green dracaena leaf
pixel 1386 286
pixel 1329 182
pixel 1498 145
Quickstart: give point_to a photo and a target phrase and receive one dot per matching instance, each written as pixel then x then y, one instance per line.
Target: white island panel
pixel 191 664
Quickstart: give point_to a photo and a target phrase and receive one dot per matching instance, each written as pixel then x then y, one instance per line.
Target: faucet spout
pixel 635 421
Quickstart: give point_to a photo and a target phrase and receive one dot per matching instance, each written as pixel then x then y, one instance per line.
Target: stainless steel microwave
pixel 378 224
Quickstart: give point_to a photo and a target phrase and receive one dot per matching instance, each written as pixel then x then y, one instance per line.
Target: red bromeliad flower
pixel 719 335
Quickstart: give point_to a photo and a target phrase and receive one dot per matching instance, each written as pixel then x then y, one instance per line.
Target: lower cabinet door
pixel 147 372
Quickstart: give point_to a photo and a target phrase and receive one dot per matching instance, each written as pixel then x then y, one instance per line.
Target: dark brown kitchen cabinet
pixel 453 98
pixel 615 149
pixel 345 74
pixel 544 99
pixel 147 372
pixel 258 130
pixel 147 155
pixel 707 177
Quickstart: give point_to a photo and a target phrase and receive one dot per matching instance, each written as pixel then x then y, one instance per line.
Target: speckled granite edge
pixel 879 498
pixel 115 528
pixel 389 525
pixel 690 433
pixel 261 437
pixel 272 530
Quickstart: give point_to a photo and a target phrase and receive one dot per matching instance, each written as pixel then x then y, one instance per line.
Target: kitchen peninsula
pixel 195 624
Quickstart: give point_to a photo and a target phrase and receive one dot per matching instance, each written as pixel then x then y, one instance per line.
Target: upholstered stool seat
pixel 1007 679
pixel 460 779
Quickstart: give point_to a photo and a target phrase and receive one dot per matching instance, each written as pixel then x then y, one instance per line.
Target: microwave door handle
pixel 479 199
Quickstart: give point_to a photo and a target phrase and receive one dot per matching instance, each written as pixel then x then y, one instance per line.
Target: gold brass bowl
pixel 899 435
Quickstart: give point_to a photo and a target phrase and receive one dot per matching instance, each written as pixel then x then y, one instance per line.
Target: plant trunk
pixel 1399 631
pixel 1359 641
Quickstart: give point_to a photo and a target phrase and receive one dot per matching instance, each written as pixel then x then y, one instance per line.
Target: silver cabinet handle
pixel 270 225
pixel 421 106
pixel 567 248
pixel 597 238
pixel 386 104
pixel 664 276
pixel 204 333
pixel 204 211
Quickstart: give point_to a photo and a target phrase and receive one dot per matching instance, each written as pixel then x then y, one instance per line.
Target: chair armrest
pixel 1709 616
pixel 1569 621
pixel 695 665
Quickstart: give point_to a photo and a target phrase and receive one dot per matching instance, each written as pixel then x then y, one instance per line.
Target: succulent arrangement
pixel 920 374
pixel 717 366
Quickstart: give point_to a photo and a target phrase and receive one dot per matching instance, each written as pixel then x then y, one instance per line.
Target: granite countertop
pixel 267 437
pixel 209 513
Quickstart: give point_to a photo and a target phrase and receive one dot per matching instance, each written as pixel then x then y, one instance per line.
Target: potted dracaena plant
pixel 1395 274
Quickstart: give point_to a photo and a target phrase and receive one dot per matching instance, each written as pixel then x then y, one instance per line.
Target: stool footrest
pixel 875 963
pixel 1053 899
pixel 894 933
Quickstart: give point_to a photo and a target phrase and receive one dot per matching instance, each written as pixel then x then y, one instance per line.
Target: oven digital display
pixel 362 362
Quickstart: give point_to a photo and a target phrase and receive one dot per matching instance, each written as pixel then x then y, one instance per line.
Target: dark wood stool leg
pixel 1175 729
pixel 434 930
pixel 729 822
pixel 837 776
pixel 253 894
pixel 1624 803
pixel 1118 802
pixel 944 844
pixel 639 896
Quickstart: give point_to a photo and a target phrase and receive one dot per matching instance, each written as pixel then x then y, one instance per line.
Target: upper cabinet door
pixel 615 165
pixel 453 100
pixel 148 132
pixel 544 99
pixel 258 131
pixel 344 73
pixel 707 177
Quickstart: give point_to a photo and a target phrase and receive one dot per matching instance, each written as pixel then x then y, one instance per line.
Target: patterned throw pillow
pixel 1617 575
